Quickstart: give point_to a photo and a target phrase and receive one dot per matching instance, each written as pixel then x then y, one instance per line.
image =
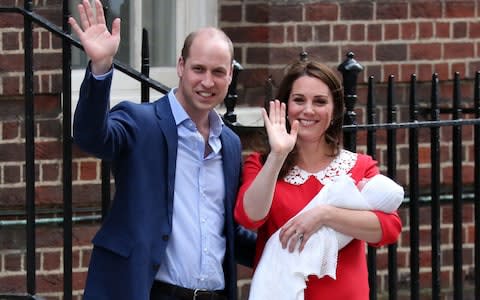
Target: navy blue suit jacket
pixel 141 142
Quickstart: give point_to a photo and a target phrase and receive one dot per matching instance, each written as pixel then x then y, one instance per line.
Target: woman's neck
pixel 313 157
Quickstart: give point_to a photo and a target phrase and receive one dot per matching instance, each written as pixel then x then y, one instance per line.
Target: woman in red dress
pixel 304 153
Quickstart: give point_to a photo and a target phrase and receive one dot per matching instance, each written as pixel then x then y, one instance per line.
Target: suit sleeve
pixel 97 130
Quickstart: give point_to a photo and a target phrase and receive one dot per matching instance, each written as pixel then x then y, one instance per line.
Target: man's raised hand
pixel 100 45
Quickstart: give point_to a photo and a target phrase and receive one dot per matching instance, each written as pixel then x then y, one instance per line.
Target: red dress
pixel 292 193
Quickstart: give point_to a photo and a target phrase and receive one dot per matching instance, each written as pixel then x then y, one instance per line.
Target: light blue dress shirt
pixel 196 247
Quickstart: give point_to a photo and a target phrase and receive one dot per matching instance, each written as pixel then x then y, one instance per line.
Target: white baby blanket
pixel 282 275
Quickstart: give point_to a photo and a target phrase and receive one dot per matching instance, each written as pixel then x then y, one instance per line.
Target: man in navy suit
pixel 170 232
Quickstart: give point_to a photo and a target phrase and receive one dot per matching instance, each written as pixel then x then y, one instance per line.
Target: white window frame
pixel 191 15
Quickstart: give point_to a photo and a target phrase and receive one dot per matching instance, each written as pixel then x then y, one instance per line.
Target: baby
pixel 284 274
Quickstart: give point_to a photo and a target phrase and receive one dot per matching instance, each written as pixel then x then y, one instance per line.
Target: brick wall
pixel 387 37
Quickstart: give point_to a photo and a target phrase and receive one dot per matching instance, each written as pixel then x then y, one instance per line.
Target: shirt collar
pixel 180 115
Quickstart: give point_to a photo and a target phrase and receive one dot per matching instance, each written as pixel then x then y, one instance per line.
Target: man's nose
pixel 207 80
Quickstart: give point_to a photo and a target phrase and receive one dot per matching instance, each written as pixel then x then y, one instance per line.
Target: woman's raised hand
pixel 100 45
pixel 281 141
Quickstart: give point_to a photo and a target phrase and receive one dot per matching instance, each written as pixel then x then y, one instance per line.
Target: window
pixel 167 21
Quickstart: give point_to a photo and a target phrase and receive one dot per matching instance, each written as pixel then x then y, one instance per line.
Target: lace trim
pixel 341 165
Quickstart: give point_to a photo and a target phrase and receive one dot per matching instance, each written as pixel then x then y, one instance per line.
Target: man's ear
pixel 230 74
pixel 180 66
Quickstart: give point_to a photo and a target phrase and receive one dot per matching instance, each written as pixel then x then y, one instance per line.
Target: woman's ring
pixel 300 237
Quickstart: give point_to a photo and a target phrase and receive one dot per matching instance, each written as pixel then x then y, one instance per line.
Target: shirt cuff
pixel 103 76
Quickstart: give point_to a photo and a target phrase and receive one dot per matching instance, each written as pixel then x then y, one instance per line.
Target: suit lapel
pixel 169 130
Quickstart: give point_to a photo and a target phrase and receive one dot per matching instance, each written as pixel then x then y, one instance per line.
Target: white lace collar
pixel 341 165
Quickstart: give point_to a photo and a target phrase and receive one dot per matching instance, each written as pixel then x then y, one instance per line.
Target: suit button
pixel 155 267
pixel 165 237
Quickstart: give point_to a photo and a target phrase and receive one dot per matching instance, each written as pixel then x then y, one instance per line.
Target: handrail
pixel 59 32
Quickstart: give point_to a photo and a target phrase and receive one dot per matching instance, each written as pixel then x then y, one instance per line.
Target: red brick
pixel 47 61
pixel 340 32
pixel 408 31
pixel 304 33
pixel 13 262
pixel 86 194
pixel 57 84
pixel 474 30
pixel 86 254
pixel 257 55
pixel 49 104
pixel 357 32
pixel 48 195
pixel 257 13
pixel 11 21
pixel 48 150
pixel 49 128
pixel 11 85
pixel 45 37
pixel 49 283
pixel 459 9
pixel 425 30
pixel 251 34
pixel 88 170
pixel 11 41
pixel 14 284
pixel 321 12
pixel 459 67
pixel 327 54
pixel 374 32
pixel 356 11
pixel 285 13
pixel 442 69
pixel 36 40
pixel 51 172
pixel 11 152
pixel 474 67
pixel 51 261
pixel 373 70
pixel 78 280
pixel 391 52
pixel 289 34
pixel 231 13
pixel 390 69
pixel 426 9
pixel 458 50
pixel 430 51
pixel 10 130
pixel 459 30
pixel 12 198
pixel 322 33
pixel 363 52
pixel 442 30
pixel 392 31
pixel 12 174
pixel 392 11
pixel 284 55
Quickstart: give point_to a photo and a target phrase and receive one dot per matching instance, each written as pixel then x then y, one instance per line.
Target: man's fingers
pixel 116 27
pixel 99 13
pixel 88 13
pixel 83 17
pixel 75 26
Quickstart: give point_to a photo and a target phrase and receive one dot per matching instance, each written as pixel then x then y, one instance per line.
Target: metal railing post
pixel 350 69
